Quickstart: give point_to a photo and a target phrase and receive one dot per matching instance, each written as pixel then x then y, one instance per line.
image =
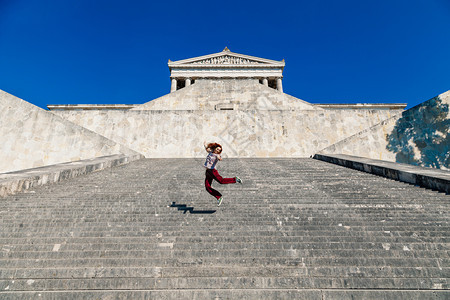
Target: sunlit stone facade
pixel 226 65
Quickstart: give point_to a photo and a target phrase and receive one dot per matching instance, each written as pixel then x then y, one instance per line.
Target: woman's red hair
pixel 213 147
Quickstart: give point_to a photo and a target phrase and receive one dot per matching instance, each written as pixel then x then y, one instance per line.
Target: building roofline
pixel 266 62
pixel 362 105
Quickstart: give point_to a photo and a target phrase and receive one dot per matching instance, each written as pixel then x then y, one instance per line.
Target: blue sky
pixel 116 52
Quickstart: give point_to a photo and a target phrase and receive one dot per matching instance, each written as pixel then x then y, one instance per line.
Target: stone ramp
pixel 297 228
pixel 31 137
pixel 417 136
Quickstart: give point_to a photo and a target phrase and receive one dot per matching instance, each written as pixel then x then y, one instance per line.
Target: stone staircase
pixel 296 228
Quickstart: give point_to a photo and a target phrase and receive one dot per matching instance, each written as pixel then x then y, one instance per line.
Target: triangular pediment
pixel 226 58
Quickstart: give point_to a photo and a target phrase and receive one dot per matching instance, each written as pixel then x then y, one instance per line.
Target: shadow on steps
pixel 185 208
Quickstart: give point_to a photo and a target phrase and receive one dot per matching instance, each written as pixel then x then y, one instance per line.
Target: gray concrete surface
pixel 296 229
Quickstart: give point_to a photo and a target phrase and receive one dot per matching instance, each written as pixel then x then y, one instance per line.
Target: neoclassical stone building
pixel 226 65
pixel 234 99
pixel 231 98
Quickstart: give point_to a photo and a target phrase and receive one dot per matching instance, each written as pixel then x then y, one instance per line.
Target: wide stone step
pixel 247 293
pixel 223 271
pixel 168 220
pixel 243 227
pixel 420 235
pixel 249 233
pixel 222 283
pixel 430 242
pixel 236 198
pixel 193 244
pixel 166 251
pixel 379 218
pixel 249 260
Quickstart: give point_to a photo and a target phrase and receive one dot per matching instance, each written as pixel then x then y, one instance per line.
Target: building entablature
pixel 194 73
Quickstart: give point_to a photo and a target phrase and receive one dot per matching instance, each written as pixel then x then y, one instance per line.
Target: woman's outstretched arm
pixel 206 147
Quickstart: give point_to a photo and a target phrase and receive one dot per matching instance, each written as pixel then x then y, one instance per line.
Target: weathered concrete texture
pixel 242 133
pixel 227 93
pixel 425 177
pixel 15 182
pixel 32 137
pixel 296 229
pixel 418 136
pixel 248 294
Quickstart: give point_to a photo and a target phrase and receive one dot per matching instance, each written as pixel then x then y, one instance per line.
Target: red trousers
pixel 213 174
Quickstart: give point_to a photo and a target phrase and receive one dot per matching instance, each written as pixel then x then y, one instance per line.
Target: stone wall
pixel 418 136
pixel 32 137
pixel 248 118
pixel 243 133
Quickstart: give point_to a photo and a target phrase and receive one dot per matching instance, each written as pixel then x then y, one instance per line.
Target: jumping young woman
pixel 213 157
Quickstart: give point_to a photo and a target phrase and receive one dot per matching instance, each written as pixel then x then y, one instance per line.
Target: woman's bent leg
pixel 208 180
pixel 222 180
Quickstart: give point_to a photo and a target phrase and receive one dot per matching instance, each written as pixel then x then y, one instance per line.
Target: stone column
pixel 279 85
pixel 266 82
pixel 188 82
pixel 173 87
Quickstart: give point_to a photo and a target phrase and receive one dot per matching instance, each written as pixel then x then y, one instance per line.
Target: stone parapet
pixel 15 182
pixel 391 106
pixel 91 106
pixel 425 177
